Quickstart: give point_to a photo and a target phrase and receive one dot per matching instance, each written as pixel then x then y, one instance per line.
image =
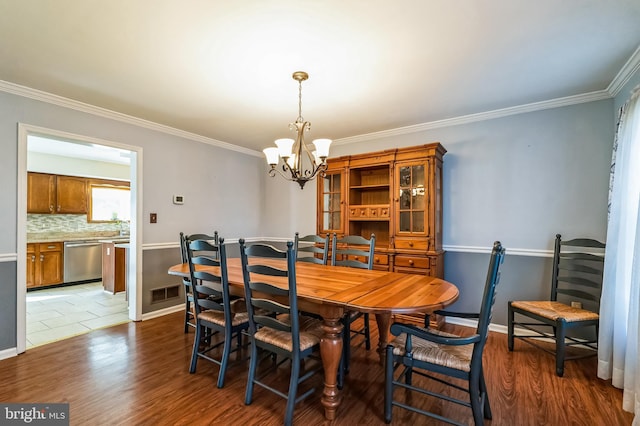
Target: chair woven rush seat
pixel 310 333
pixel 555 310
pixel 458 357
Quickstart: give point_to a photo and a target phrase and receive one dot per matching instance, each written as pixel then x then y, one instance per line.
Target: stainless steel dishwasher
pixel 82 261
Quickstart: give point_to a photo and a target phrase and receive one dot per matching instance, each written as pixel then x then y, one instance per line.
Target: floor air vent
pixel 165 293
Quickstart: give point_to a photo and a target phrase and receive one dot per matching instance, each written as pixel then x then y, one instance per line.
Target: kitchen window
pixel 109 203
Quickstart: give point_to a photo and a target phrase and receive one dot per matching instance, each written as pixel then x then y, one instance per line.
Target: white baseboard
pixel 8 353
pixel 503 329
pixel 162 312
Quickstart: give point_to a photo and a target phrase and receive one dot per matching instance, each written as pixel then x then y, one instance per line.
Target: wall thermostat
pixel 178 199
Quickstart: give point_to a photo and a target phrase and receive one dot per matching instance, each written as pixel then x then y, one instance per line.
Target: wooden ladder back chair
pixel 189 320
pixel 576 286
pixel 275 325
pixel 424 351
pixel 353 251
pixel 215 311
pixel 318 247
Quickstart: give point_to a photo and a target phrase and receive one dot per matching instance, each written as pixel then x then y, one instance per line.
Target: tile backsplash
pixel 69 223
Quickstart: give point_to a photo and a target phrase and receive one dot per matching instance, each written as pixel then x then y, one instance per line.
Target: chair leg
pixel 367 332
pixel 187 315
pixel 408 376
pixel 196 345
pixel 510 319
pixel 226 350
pixel 346 346
pixel 293 390
pixel 248 395
pixel 560 348
pixel 474 393
pixel 483 391
pixel 388 384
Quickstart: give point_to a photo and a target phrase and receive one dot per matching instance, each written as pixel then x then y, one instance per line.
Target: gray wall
pixel 519 179
pixel 222 189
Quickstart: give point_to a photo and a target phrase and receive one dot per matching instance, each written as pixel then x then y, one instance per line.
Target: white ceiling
pixel 76 149
pixel 222 69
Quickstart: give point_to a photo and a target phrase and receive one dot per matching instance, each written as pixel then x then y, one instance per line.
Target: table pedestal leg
pixel 331 351
pixel 384 324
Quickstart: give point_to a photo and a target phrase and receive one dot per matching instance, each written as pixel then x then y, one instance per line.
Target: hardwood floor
pixel 137 374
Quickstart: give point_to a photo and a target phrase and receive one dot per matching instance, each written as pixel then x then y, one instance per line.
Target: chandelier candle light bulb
pixel 298 163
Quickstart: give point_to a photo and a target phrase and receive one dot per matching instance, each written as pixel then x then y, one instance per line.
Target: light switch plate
pixel 178 199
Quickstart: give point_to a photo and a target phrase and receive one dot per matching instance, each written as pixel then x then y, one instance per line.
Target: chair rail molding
pixel 8 257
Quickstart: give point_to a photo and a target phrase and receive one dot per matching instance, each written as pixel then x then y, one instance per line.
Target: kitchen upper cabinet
pixel 48 193
pixel 44 264
pixel 41 193
pixel 71 194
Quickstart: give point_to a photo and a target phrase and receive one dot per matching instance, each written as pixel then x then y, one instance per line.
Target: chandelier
pixel 298 163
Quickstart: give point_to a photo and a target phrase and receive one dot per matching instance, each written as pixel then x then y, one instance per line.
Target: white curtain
pixel 619 338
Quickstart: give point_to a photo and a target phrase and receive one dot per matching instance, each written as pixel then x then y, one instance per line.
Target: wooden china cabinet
pixel 395 194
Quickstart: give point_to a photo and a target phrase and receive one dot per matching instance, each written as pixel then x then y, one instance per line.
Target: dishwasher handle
pixel 71 245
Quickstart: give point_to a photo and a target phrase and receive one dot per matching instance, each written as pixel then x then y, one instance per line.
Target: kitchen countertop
pixel 48 237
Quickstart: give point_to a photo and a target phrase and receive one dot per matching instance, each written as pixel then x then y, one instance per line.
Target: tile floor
pixel 58 313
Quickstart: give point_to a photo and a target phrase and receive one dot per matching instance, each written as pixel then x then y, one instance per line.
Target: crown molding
pixel 482 116
pixel 626 72
pixel 39 95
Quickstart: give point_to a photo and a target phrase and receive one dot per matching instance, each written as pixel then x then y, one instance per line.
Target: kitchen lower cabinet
pixel 44 264
pixel 114 268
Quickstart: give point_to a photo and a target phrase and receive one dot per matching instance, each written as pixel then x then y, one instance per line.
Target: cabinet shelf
pixel 369 187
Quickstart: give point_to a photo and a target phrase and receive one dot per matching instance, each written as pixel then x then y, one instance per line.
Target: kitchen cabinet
pixel 41 193
pixel 44 264
pixel 48 193
pixel 395 194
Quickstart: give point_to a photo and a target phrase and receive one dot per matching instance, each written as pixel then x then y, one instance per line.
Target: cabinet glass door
pixel 332 202
pixel 412 198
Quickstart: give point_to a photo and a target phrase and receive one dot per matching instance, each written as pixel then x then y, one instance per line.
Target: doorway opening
pixel 54 312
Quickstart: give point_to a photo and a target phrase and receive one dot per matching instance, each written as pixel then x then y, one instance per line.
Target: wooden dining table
pixel 330 291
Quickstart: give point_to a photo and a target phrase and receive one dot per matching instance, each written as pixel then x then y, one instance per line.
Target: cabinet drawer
pixel 412 262
pixel 411 244
pixel 44 247
pixel 382 212
pixel 359 211
pixel 380 259
pixel 369 212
